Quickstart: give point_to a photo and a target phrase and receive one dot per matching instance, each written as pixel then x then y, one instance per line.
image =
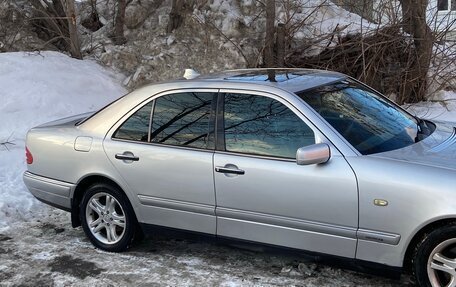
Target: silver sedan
pixel 304 159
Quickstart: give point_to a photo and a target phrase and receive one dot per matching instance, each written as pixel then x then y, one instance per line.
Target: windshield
pixel 368 121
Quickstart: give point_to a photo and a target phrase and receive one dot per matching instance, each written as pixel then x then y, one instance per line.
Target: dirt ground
pixel 48 252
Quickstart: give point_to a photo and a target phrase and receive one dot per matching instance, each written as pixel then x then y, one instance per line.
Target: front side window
pixel 366 120
pixel 263 126
pixel 183 119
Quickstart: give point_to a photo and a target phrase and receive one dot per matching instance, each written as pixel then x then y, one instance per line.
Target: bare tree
pixel 118 35
pixel 92 22
pixel 7 142
pixel 414 23
pixel 270 31
pixel 280 45
pixel 75 46
pixel 54 21
pixel 175 17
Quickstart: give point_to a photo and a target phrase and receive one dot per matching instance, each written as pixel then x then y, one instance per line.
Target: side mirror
pixel 313 154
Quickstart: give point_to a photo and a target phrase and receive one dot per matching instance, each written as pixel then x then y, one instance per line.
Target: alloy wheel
pixel 105 218
pixel 441 266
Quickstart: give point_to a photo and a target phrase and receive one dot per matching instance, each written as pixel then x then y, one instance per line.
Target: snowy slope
pixel 36 88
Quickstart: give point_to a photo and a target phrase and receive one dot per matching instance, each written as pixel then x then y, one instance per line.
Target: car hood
pixel 438 149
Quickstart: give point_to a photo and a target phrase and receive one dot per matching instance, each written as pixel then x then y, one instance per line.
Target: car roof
pixel 266 80
pixel 292 79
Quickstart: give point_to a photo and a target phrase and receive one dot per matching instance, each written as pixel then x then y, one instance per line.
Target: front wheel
pixel 107 218
pixel 434 262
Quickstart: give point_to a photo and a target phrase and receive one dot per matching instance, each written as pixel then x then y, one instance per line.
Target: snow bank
pixel 321 17
pixel 36 88
pixel 441 107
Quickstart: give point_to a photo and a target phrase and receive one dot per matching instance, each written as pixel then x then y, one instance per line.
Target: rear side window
pixel 263 126
pixel 136 128
pixel 183 119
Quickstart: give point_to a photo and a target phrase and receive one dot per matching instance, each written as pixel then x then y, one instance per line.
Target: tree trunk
pixel 270 31
pixel 75 46
pixel 51 23
pixel 119 37
pixel 281 45
pixel 175 16
pixel 414 23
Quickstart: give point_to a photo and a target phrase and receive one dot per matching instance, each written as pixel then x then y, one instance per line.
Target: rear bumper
pixel 50 191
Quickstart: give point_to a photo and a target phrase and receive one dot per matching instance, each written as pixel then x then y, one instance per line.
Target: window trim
pixel 146 101
pixel 164 145
pixel 257 156
pixel 450 8
pixel 221 145
pixel 152 109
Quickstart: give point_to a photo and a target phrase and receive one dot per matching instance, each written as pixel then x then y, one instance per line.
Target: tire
pixel 430 264
pixel 107 218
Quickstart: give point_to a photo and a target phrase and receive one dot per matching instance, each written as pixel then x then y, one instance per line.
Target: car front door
pixel 263 195
pixel 164 149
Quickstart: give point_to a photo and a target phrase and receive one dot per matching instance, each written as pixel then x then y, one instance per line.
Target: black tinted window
pixel 183 119
pixel 136 128
pixel 263 126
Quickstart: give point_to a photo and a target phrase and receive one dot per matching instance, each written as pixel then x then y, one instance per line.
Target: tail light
pixel 28 156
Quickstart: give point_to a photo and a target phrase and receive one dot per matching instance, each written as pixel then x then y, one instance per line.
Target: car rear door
pixel 163 149
pixel 263 195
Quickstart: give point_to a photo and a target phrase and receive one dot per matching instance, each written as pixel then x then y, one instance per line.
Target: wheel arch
pixel 80 189
pixel 419 236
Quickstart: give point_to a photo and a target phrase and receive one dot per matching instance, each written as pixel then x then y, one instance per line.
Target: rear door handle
pixel 128 156
pixel 230 170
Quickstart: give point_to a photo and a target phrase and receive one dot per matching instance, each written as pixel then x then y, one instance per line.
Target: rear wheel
pixel 434 263
pixel 107 217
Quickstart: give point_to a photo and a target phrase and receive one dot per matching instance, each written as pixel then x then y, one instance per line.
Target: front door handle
pixel 230 170
pixel 127 156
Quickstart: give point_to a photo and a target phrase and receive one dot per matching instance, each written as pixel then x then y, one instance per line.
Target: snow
pixel 37 88
pixel 319 17
pixel 441 107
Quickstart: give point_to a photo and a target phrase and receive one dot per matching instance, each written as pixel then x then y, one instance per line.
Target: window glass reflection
pixel 183 119
pixel 263 126
pixel 369 122
pixel 136 128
